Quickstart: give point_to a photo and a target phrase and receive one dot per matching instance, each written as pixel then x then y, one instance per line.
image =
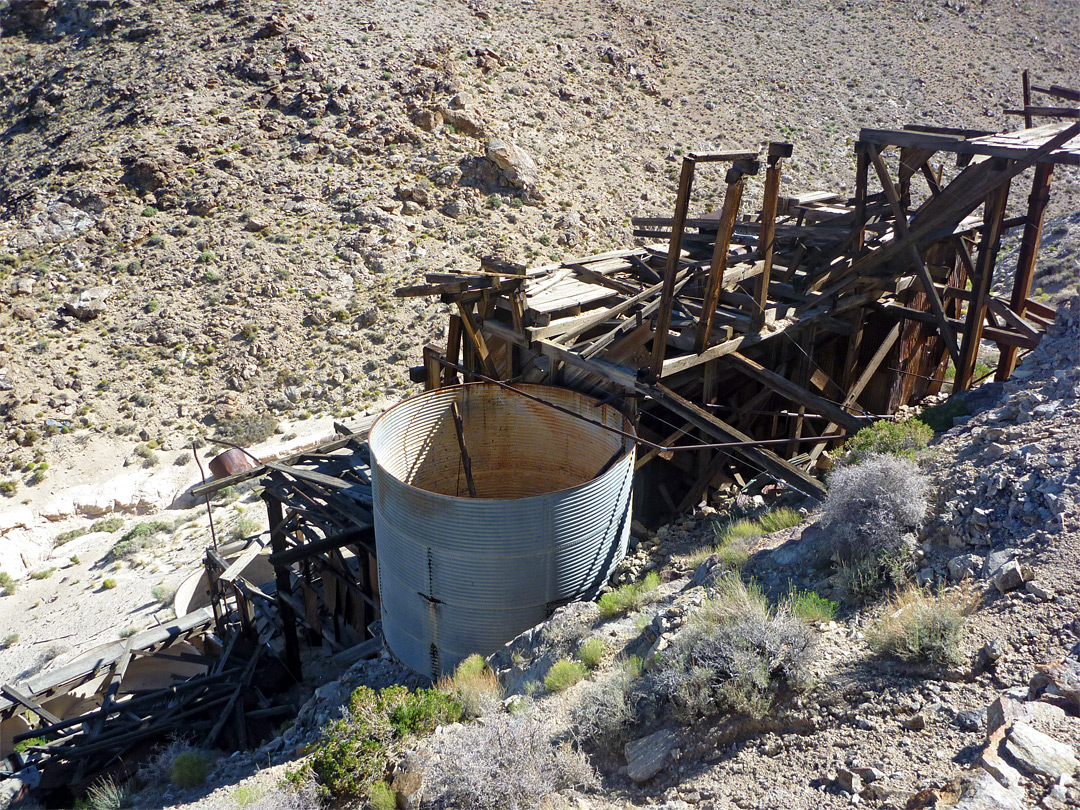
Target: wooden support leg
pixel 432 367
pixel 1029 253
pixel 476 338
pixel 777 151
pixel 453 349
pixel 989 243
pixel 862 172
pixel 667 296
pixel 729 214
pixel 284 588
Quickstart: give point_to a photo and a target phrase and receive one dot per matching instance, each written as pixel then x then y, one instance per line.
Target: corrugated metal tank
pixel 459 575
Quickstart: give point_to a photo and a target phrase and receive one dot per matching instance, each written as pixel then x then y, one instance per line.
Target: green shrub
pixel 247 795
pixel 563 674
pixel 474 686
pixel 628 598
pixel 904 438
pixel 10 640
pixel 189 769
pixel 605 709
pixel 244 528
pixel 139 537
pixel 810 607
pixel 778 519
pixel 66 537
pixel 8 583
pixel 43 573
pixel 940 417
pixel 591 653
pixel 8 487
pixel 105 794
pixel 108 583
pixel 382 797
pixel 112 524
pixel 246 429
pixel 163 594
pixel 355 751
pixel 738 531
pixel 917 625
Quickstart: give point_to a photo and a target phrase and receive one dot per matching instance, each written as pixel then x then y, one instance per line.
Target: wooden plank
pixel 308 475
pixel 758 457
pixel 796 393
pixel 466 461
pixel 766 244
pixel 476 337
pixel 717 157
pixel 432 367
pixel 989 244
pixel 26 700
pixel 728 215
pixel 904 235
pixel 240 563
pixel 1027 258
pixel 667 296
pixel 1049 112
pixel 1059 91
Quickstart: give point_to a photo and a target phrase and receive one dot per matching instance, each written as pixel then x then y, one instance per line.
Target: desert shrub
pixel 108 584
pixel 8 487
pixel 105 794
pixel 605 710
pixel 629 598
pixel 735 654
pixel 920 625
pixel 869 509
pixel 474 686
pixel 138 537
pixel 904 438
pixel 246 429
pixel 382 797
pixel 354 752
pixel 113 524
pixel 778 519
pixel 738 530
pixel 563 674
pixel 10 640
pixel 245 527
pixel 591 653
pixel 940 417
pixel 163 594
pixel 508 763
pixel 810 607
pixel 288 796
pixel 189 769
pixel 245 796
pixel 8 583
pixel 43 573
pixel 66 537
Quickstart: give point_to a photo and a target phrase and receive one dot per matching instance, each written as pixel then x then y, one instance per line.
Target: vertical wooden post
pixel 284 586
pixel 1026 77
pixel 1029 254
pixel 667 296
pixel 432 367
pixel 728 214
pixel 453 350
pixel 862 172
pixel 777 151
pixel 989 243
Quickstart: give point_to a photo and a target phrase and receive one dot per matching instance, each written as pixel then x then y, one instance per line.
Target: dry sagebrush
pixel 510 762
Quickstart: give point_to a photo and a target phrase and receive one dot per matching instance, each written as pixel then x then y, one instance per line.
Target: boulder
pixel 1009 577
pixel 1038 753
pixel 514 163
pixel 647 756
pixel 88 304
pixel 984 793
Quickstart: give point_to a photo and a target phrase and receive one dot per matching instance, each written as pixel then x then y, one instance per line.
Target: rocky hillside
pixel 204 207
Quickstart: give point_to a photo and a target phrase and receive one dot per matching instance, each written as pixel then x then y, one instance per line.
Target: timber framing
pixel 803 321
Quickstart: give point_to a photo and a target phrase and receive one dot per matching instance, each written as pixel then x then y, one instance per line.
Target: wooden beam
pixel 796 393
pixel 904 235
pixel 758 457
pixel 767 237
pixel 667 296
pixel 989 244
pixel 1029 254
pixel 476 336
pixel 728 215
pixel 466 461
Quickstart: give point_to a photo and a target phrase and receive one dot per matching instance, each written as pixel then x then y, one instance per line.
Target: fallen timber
pixel 803 321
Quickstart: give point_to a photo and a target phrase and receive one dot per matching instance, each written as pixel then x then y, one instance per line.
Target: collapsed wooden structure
pixel 774 335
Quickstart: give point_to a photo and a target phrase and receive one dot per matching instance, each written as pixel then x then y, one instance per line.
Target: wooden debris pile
pixel 779 332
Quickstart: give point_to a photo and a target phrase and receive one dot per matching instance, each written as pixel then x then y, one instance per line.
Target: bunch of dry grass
pixel 475 686
pixel 920 625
